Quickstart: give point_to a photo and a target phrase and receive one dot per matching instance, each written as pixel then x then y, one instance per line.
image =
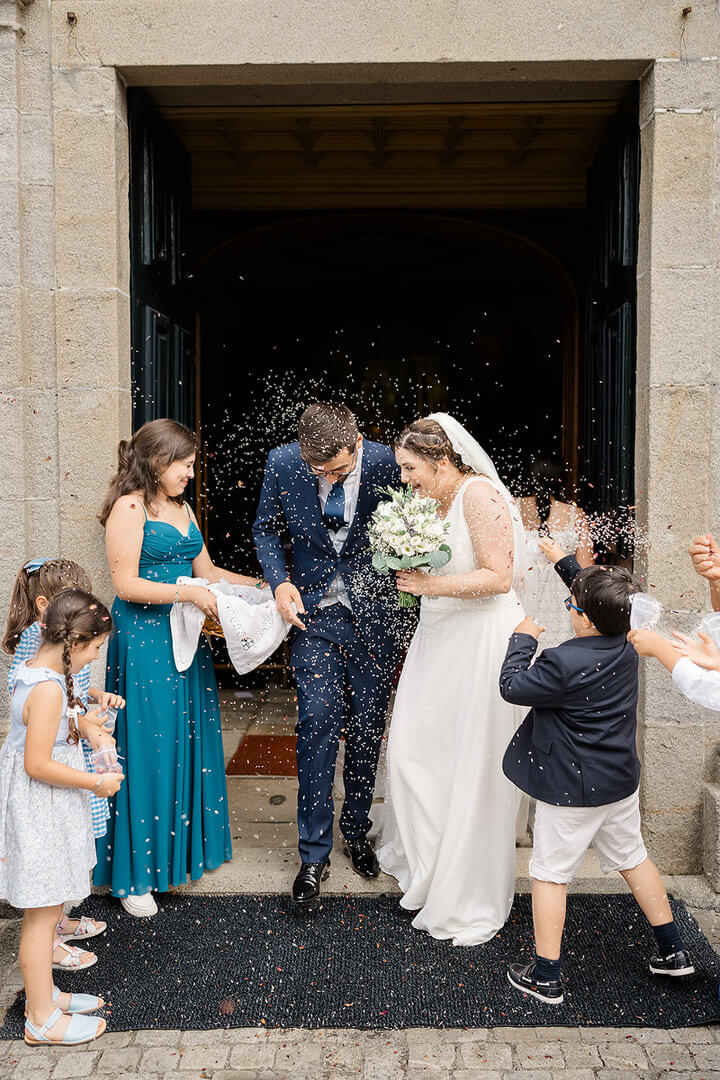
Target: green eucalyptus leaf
pixel 439 558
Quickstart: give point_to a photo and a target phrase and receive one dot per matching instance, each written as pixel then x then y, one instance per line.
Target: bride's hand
pixel 416 582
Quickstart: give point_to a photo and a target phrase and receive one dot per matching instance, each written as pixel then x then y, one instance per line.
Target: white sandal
pixel 75 959
pixel 87 928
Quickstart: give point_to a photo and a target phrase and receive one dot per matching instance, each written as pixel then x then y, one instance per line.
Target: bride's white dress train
pixel 448 826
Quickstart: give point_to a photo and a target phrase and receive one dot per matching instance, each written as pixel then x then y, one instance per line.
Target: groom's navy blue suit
pixel 344 660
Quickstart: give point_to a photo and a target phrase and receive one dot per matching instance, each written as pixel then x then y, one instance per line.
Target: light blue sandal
pixel 79 1003
pixel 81 1029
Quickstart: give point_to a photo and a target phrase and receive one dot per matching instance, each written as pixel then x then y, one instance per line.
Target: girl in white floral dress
pixel 46 840
pixel 36 583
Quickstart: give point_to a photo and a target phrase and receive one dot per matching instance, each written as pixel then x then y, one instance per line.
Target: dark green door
pixel 610 314
pixel 163 364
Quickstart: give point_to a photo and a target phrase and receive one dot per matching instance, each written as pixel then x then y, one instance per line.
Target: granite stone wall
pixel 64 270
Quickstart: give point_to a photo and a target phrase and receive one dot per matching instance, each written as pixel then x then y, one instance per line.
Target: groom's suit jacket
pixel 576 746
pixel 289 504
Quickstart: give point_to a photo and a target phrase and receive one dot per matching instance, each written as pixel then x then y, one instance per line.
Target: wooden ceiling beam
pixel 307 137
pixel 379 137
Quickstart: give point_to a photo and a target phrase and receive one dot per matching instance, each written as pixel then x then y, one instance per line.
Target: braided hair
pixel 428 439
pixel 74 617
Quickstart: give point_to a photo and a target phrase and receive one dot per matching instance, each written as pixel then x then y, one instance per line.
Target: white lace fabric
pixel 252 626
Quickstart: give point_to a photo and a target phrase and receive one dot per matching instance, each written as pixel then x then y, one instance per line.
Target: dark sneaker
pixel 675 963
pixel 522 977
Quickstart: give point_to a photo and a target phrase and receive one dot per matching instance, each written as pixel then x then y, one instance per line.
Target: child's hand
pixel 91 729
pixel 645 642
pixel 704 653
pixel 109 701
pixel 529 626
pixel 109 784
pixel 548 547
pixel 705 555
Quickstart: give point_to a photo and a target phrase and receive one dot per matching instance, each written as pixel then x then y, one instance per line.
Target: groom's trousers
pixel 341 690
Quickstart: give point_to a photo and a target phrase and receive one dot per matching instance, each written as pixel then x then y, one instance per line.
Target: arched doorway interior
pixel 397 313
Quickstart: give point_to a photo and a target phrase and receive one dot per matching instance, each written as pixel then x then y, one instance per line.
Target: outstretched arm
pixel 650 643
pixel 520 684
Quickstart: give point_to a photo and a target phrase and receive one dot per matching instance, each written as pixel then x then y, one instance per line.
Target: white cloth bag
pixel 251 623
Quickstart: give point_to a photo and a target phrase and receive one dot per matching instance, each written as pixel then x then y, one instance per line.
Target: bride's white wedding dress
pixel 448 832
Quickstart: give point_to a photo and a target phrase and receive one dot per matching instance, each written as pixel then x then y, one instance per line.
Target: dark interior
pixel 396 314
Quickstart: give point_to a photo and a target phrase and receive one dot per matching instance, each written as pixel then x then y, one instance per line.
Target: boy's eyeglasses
pixel 569 604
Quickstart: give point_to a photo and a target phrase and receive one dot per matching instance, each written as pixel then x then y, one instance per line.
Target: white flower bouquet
pixel 407 534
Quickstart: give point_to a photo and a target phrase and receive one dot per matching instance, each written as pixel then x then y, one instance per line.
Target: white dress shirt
pixel 698 684
pixel 336 591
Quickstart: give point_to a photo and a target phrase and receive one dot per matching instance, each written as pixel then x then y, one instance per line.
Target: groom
pixel 322 490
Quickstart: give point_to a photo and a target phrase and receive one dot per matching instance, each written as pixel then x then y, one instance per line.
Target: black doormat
pixel 240 961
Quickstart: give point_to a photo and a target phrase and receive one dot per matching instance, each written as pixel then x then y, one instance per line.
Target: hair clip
pixel 35 564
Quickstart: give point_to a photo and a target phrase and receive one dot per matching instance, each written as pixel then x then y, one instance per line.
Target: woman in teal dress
pixel 170 818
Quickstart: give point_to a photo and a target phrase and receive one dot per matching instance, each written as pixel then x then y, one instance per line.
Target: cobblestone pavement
pixel 415 1054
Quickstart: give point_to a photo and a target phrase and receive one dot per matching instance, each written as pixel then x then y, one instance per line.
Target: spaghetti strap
pixel 188 511
pixel 143 509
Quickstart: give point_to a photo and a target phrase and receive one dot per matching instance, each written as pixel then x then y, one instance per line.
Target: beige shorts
pixel 563 834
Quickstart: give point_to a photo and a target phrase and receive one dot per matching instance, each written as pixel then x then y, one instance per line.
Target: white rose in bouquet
pixel 407 534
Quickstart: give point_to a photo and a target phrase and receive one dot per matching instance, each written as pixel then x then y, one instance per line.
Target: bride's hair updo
pixel 427 438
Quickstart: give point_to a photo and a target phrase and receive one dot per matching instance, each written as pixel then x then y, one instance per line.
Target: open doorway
pixel 404 258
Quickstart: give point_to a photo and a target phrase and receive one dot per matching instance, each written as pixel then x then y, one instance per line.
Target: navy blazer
pixel 289 504
pixel 576 746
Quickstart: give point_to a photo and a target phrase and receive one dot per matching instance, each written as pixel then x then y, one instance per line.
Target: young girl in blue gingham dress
pixel 35 586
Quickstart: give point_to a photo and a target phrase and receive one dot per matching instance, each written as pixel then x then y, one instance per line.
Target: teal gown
pixel 170 817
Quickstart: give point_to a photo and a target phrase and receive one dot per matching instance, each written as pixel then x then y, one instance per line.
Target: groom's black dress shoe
pixel 306 886
pixel 362 855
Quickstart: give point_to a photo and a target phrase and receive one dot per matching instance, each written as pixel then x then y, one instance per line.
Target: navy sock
pixel 668 939
pixel 546 970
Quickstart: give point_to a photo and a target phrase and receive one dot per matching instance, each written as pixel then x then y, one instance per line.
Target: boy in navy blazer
pixel 575 753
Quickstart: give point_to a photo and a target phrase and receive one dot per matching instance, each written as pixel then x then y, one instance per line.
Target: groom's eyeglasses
pixel 338 474
pixel 569 604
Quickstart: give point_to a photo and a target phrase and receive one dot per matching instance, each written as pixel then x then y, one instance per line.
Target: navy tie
pixel 334 514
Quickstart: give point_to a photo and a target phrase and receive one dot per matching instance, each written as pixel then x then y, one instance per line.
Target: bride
pixel 448 832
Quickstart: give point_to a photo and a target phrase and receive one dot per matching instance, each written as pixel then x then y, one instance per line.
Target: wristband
pixel 177 592
pixel 98 782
